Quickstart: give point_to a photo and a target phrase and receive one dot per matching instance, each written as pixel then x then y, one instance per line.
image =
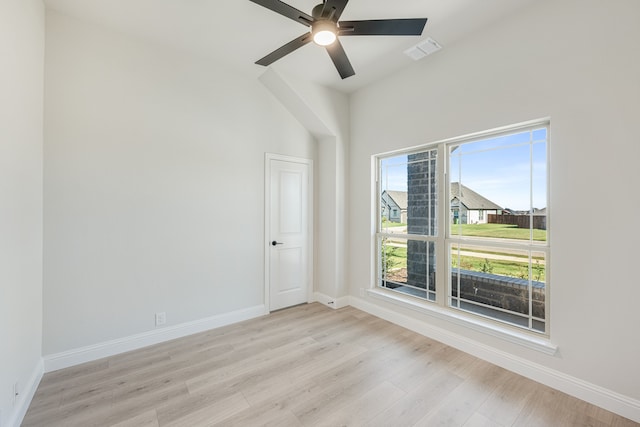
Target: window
pixel 407 254
pixel 475 239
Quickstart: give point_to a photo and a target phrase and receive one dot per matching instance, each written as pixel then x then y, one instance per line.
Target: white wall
pixel 21 80
pixel 332 177
pixel 325 113
pixel 154 183
pixel 576 62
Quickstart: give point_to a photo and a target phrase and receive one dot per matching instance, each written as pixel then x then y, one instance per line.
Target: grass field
pixel 502 267
pixel 501 231
pixel 396 256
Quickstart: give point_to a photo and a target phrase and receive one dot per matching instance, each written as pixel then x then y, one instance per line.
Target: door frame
pixel 267 224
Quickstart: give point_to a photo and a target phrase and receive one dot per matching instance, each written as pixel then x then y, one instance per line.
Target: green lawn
pixel 503 231
pixel 396 257
pixel 502 267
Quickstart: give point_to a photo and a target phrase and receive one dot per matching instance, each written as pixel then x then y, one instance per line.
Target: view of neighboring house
pixel 534 212
pixel 539 212
pixel 469 207
pixel 394 206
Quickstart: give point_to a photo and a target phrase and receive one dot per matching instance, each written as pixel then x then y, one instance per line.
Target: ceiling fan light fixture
pixel 324 32
pixel 324 38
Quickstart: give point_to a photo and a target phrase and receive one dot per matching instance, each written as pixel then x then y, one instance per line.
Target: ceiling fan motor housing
pixel 317 12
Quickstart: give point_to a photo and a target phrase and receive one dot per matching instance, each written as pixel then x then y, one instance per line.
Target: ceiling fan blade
pixel 285 50
pixel 340 60
pixel 338 5
pixel 383 27
pixel 286 10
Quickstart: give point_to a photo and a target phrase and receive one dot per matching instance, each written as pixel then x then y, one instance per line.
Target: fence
pixel 522 221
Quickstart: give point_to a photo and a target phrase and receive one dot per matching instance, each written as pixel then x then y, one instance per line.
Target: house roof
pixel 539 212
pixel 471 199
pixel 400 197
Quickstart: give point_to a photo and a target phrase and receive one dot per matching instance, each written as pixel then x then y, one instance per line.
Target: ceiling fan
pixel 325 30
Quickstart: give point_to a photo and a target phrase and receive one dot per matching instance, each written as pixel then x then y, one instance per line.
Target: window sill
pixel 542 345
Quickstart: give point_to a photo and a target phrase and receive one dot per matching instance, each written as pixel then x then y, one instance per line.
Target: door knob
pixel 276 243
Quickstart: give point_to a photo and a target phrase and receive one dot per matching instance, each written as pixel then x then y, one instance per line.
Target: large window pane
pixel 505 284
pixel 393 197
pixel 498 214
pixel 408 207
pixel 498 187
pixel 408 266
pixel 408 194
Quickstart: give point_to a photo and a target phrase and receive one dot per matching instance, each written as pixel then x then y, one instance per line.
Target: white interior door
pixel 288 231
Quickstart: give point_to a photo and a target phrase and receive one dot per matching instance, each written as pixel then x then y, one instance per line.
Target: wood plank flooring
pixel 304 366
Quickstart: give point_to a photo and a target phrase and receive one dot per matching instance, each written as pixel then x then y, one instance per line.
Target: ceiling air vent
pixel 422 49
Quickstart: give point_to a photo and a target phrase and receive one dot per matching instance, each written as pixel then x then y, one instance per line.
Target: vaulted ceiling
pixel 239 32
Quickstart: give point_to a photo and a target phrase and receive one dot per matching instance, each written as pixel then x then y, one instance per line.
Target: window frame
pixel 443 238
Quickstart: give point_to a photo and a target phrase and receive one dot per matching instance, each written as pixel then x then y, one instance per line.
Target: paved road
pixel 480 254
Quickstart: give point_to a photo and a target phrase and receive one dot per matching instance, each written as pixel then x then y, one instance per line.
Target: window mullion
pixel 442 258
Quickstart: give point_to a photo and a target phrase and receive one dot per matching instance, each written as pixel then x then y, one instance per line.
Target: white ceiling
pixel 239 32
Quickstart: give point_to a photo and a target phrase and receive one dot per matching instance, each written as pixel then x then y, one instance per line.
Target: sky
pixel 507 170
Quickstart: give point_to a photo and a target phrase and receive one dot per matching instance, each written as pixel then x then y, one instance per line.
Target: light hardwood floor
pixel 304 366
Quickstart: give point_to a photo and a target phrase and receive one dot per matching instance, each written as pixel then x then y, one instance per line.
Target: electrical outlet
pixel 161 318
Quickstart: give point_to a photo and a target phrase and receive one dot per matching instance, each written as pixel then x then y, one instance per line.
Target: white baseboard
pixel 26 396
pixel 599 396
pixel 89 353
pixel 334 303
